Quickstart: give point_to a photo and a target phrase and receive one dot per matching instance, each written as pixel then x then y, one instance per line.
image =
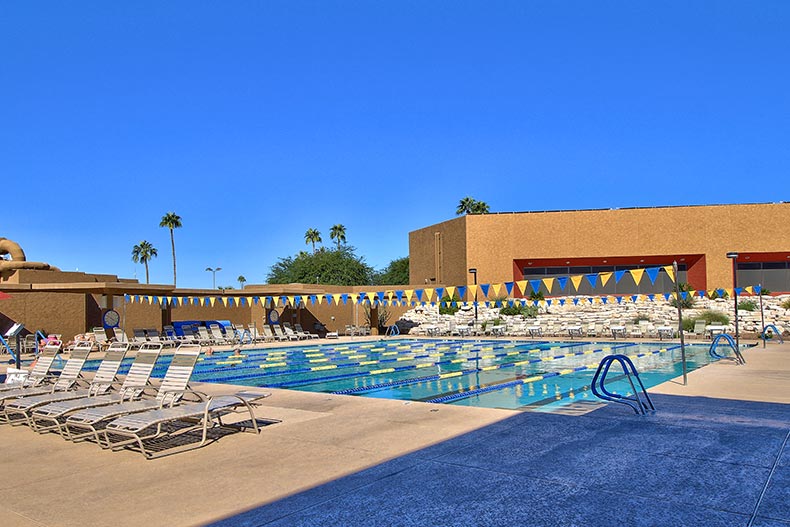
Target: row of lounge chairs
pixel 116 415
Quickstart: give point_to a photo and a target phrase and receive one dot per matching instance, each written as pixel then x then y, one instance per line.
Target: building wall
pixel 493 242
pixel 62 313
pixel 438 254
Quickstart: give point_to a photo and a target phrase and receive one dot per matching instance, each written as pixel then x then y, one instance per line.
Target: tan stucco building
pixel 517 246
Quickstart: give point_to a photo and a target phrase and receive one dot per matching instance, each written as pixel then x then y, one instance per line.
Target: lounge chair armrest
pixel 199 396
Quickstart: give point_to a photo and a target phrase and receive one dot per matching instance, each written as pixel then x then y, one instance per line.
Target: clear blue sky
pixel 255 121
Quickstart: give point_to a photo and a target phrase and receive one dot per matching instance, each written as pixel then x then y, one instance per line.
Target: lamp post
pixel 734 257
pixel 473 270
pixel 213 271
pixel 762 314
pixel 680 323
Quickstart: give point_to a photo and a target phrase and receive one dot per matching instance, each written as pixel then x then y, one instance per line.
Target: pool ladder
pixel 728 339
pixel 639 402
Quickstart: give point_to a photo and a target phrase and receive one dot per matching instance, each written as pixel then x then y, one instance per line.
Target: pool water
pixel 530 375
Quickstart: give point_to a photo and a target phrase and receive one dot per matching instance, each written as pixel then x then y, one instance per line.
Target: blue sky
pixel 255 121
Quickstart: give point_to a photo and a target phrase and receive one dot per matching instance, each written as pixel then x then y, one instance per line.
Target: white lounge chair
pixel 40 372
pixel 174 386
pixel 203 415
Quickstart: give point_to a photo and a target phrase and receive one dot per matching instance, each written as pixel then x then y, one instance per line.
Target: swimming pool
pixel 530 375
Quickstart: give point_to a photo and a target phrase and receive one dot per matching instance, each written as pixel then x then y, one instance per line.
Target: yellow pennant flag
pixel 576 280
pixel 336 297
pixel 472 291
pixel 749 289
pixel 224 300
pixel 249 300
pixel 291 300
pixel 670 272
pixel 320 299
pixel 149 299
pixel 728 291
pixel 409 293
pixel 450 291
pixel 496 288
pixel 549 283
pixel 428 294
pixel 522 286
pixel 605 278
pixel 637 274
pixel 212 300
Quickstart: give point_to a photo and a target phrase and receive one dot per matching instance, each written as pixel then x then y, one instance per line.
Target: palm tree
pixel 338 233
pixel 465 206
pixel 143 252
pixel 241 281
pixel 312 236
pixel 171 220
pixel 480 207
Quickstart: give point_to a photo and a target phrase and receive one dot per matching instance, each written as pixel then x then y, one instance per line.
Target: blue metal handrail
pixel 636 402
pixel 392 331
pixel 731 343
pixel 775 330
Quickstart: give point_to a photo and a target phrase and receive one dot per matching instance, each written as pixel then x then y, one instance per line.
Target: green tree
pixel 341 267
pixel 312 236
pixel 143 252
pixel 338 233
pixel 171 220
pixel 241 280
pixel 470 205
pixel 396 273
pixel 465 206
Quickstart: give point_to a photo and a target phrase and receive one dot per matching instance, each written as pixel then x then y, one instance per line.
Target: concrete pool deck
pixel 715 453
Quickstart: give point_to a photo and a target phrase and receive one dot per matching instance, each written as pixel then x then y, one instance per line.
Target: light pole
pixel 762 314
pixel 734 257
pixel 680 322
pixel 473 270
pixel 213 271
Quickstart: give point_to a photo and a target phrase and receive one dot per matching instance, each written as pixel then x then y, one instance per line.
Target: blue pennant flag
pixel 535 303
pixel 511 303
pixel 575 301
pixel 619 299
pixel 701 293
pixel 535 285
pixel 562 301
pixel 313 299
pixel 522 302
pixel 604 300
pixel 548 302
pixel 381 296
pixel 344 298
pixel 418 293
pixel 666 296
pixel 651 297
pixel 721 292
pixel 634 298
pixel 127 298
pixel 738 290
pixel 757 289
pixel 399 295
pixel 439 292
pixel 618 275
pixel 563 280
pixel 461 291
pixel 454 303
pixel 684 295
pixel 484 288
pixel 509 287
pixel 592 278
pixel 652 273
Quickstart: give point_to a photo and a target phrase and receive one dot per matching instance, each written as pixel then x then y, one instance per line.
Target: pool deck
pixel 715 453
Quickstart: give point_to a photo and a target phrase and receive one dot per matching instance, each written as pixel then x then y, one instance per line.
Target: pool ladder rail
pixel 640 402
pixel 731 343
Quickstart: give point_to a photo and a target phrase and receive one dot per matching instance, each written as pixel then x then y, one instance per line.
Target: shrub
pixel 640 318
pixel 685 303
pixel 786 304
pixel 536 295
pixel 747 305
pixel 709 316
pixel 450 309
pixel 516 309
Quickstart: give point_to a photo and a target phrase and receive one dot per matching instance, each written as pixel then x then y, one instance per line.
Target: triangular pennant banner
pixel 618 275
pixel 535 285
pixel 576 281
pixel 549 283
pixel 496 288
pixel 605 278
pixel 652 273
pixel 637 275
pixel 592 278
pixel 562 281
pixel 484 289
pixel 522 286
pixel 670 272
pixel 509 288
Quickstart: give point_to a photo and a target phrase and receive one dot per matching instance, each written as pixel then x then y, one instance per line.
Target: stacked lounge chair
pixel 40 372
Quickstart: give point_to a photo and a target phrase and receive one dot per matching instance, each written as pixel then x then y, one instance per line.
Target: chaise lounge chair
pixel 40 372
pixel 67 380
pixel 19 410
pixel 174 386
pixel 53 416
pixel 160 423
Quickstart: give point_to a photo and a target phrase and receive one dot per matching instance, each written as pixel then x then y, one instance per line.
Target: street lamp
pixel 473 270
pixel 213 271
pixel 734 257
